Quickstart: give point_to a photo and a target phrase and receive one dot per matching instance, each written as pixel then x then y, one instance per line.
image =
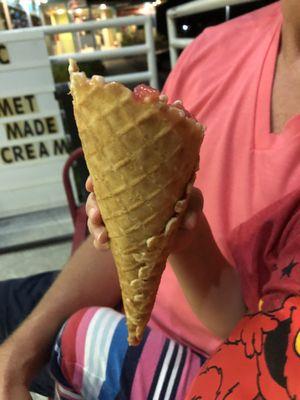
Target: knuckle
pixel 88 203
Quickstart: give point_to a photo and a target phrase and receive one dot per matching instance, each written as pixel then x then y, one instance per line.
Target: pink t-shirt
pixel 225 80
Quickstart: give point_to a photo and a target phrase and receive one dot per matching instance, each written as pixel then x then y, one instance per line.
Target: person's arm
pixel 210 284
pixel 89 278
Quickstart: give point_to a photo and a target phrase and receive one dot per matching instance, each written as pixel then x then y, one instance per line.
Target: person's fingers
pixel 89 184
pixel 196 200
pixel 92 210
pixel 195 205
pixel 101 238
pixel 190 220
pixel 95 216
pixel 101 246
pixel 99 232
pixel 90 203
pixel 95 223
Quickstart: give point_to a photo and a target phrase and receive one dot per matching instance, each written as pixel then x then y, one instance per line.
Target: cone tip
pixel 133 341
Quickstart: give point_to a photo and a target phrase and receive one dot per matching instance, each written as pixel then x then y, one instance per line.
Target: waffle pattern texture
pixel 142 157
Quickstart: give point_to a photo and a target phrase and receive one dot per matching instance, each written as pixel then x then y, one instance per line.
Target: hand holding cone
pixel 142 156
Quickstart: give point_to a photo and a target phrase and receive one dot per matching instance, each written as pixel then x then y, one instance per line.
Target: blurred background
pixel 15 14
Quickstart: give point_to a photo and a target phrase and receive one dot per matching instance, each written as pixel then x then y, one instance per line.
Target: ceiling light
pixel 60 11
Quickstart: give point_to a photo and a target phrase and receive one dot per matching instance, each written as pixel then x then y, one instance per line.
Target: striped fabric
pixel 91 360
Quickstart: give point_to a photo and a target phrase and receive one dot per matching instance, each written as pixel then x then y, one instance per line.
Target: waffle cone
pixel 142 158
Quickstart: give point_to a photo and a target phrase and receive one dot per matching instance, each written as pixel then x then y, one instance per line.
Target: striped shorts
pixel 91 360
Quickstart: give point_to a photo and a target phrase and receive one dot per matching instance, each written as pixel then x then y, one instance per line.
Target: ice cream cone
pixel 142 157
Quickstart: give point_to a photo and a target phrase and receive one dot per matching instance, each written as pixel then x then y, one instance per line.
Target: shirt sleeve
pixel 260 359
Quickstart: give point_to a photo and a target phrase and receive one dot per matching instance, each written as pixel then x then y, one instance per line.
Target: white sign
pixel 33 146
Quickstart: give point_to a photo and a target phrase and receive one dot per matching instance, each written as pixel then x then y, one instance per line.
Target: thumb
pixel 195 206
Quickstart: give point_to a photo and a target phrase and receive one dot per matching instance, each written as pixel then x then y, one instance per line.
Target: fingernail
pixel 98 237
pixel 102 237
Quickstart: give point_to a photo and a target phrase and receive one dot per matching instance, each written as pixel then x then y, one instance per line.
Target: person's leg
pixel 18 297
pixel 91 360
